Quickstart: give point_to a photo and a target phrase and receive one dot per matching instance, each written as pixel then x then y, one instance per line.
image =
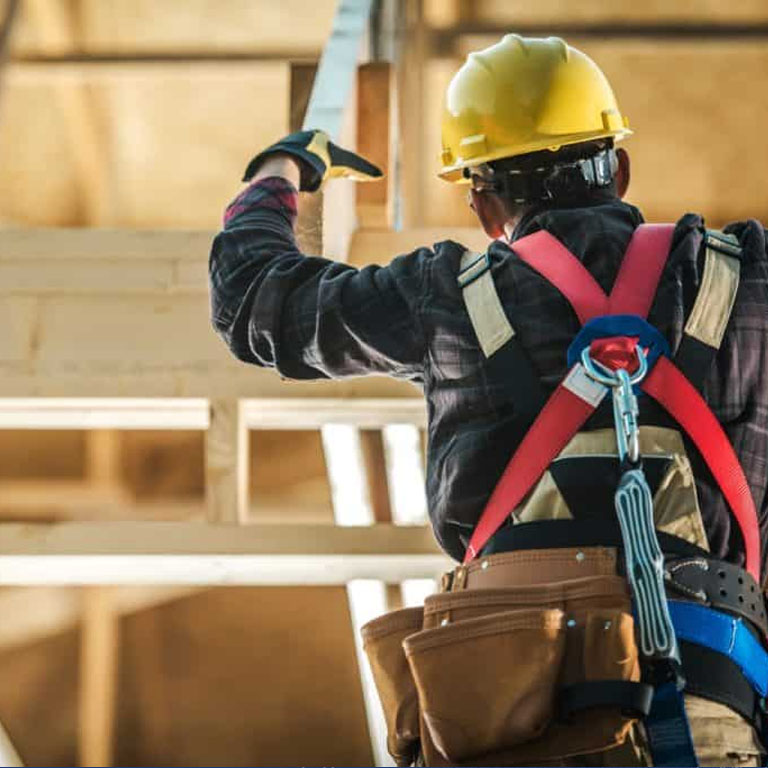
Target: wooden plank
pixel 376 127
pixel 371 246
pixel 191 28
pixel 102 460
pixel 506 13
pixel 98 677
pixel 226 463
pixel 364 413
pixel 202 554
pixel 193 413
pixel 191 539
pixel 332 108
pixel 99 246
pixel 374 460
pixel 103 413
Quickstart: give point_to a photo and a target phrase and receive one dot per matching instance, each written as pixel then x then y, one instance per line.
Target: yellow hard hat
pixel 522 95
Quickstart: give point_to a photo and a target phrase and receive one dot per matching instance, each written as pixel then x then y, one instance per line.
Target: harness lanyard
pixel 667 726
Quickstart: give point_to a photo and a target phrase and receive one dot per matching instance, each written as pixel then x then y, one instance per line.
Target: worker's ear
pixel 622 173
pixel 491 212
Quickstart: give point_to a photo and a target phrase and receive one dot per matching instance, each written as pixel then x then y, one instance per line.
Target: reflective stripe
pixel 490 322
pixel 717 293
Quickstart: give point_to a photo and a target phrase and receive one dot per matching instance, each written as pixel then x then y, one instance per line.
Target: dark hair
pixel 548 178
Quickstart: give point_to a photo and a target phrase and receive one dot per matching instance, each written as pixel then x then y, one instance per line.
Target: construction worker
pixel 653 505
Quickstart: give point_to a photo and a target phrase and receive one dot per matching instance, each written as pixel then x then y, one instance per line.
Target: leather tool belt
pixel 494 674
pixel 490 674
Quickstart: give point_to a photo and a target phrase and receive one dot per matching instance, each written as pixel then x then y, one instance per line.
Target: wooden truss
pixel 110 330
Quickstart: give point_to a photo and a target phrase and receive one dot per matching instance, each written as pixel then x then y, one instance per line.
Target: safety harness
pixel 618 351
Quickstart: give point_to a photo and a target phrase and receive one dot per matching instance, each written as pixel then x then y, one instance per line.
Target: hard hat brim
pixel 455 173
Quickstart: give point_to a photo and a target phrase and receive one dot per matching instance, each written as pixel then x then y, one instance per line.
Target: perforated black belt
pixel 690 572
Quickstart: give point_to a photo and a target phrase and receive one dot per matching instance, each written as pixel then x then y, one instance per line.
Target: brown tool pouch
pixel 383 644
pixel 492 668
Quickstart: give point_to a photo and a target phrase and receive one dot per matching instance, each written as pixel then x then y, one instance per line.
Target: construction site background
pixel 139 115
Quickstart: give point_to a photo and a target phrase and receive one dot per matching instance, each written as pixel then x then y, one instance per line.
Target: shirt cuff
pixel 273 193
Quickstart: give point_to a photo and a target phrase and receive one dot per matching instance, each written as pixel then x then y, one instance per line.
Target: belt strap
pixel 690 571
pixel 707 322
pixel 719 585
pixel 498 340
pixel 491 324
pixel 633 699
pixel 723 634
pixel 714 676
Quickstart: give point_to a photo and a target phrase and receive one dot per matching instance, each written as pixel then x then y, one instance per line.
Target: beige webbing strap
pixel 717 293
pixel 492 327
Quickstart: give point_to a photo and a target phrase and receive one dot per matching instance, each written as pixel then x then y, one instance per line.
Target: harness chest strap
pixel 577 397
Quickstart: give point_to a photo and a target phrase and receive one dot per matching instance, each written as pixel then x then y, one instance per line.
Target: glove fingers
pixel 346 163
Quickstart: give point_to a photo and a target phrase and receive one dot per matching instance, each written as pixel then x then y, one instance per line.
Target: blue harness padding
pixel 724 634
pixel 667 727
pixel 606 326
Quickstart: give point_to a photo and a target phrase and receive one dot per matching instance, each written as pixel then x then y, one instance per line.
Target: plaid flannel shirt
pixel 309 317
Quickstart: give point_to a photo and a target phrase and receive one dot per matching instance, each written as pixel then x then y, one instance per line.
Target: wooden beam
pixel 103 413
pixel 226 463
pixel 332 108
pixel 98 677
pixel 202 554
pixel 365 413
pixel 107 413
pixel 374 460
pixel 412 53
pixel 85 137
pixel 376 130
pixel 380 246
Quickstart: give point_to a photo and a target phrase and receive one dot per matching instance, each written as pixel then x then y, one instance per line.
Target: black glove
pixel 319 159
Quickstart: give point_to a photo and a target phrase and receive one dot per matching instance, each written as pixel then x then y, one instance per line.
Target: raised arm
pixel 305 316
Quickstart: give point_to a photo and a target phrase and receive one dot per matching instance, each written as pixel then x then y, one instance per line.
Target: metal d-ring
pixel 608 378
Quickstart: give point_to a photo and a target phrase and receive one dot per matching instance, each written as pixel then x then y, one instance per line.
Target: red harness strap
pixel 574 400
pixel 669 387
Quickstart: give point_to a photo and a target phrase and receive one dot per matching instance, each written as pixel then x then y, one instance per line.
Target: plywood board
pixel 176 138
pixel 242 677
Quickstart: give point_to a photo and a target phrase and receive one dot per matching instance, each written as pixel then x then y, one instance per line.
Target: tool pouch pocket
pixel 489 683
pixel 383 644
